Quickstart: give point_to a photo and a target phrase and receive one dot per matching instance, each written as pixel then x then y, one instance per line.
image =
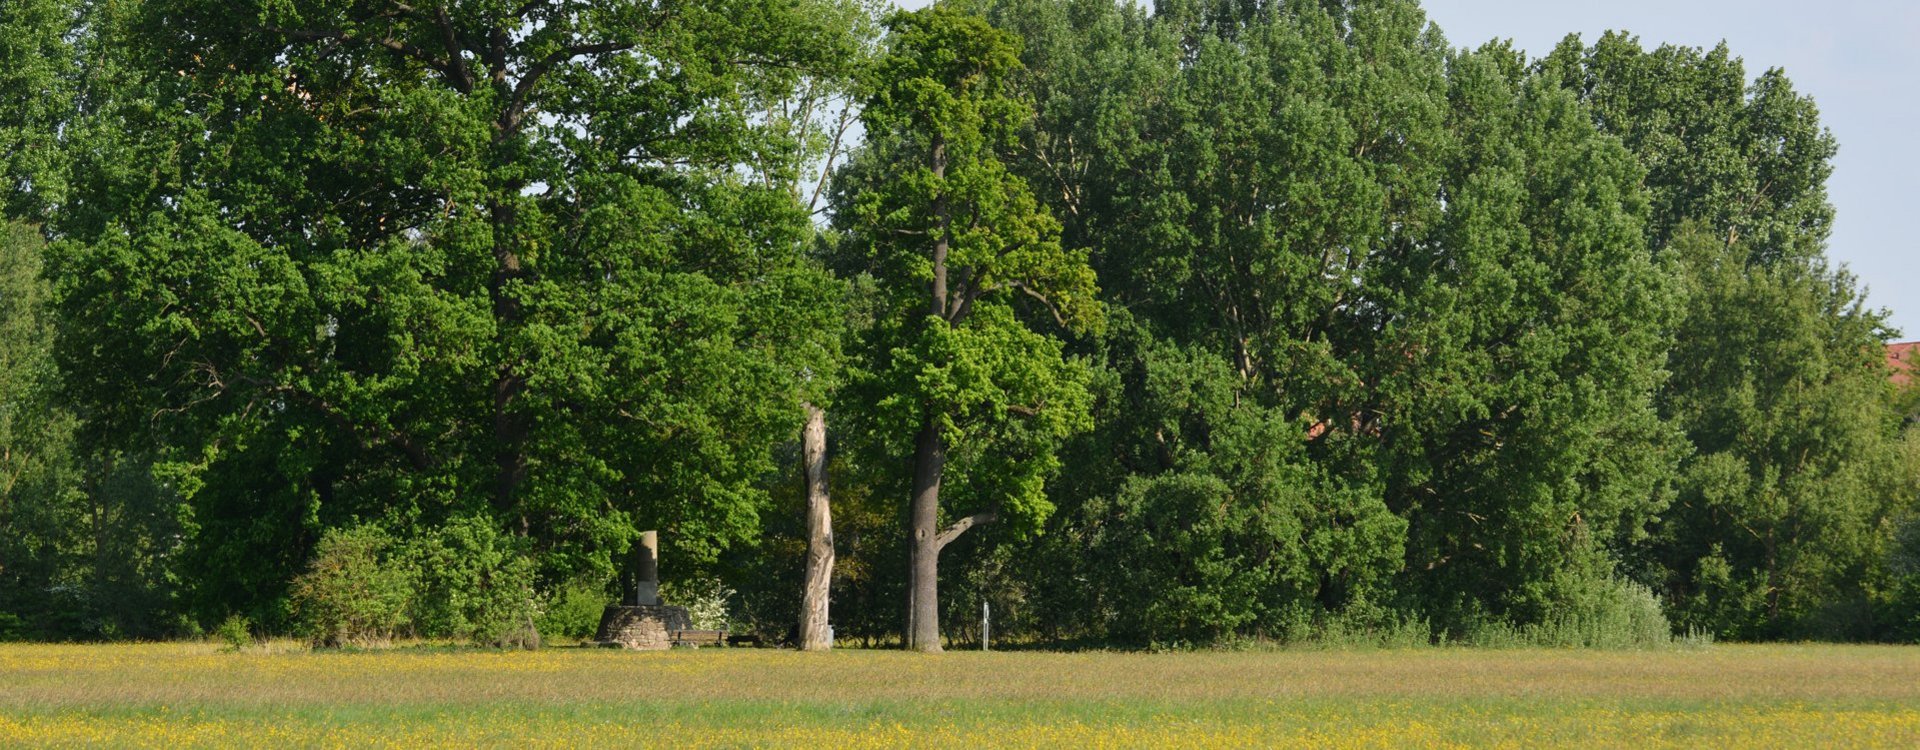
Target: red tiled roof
pixel 1905 361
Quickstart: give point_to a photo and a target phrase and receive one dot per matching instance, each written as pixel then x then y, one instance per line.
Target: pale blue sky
pixel 1858 59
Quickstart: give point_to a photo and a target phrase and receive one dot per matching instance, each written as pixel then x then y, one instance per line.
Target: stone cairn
pixel 640 621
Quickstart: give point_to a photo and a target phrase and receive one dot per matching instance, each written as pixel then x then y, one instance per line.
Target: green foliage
pixel 971 362
pixel 867 526
pixel 464 580
pixel 1745 161
pixel 1520 431
pixel 235 631
pixel 1607 613
pixel 572 611
pixel 544 283
pixel 1410 321
pixel 86 537
pixel 1280 322
pixel 1901 588
pixel 1221 529
pixel 1362 624
pixel 37 82
pixel 473 583
pixel 12 628
pixel 1785 506
pixel 42 506
pixel 355 592
pixel 1788 501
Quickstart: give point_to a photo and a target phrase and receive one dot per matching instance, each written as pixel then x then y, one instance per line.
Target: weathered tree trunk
pixel 819 576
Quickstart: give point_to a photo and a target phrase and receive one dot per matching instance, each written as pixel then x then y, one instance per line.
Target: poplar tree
pixel 1794 486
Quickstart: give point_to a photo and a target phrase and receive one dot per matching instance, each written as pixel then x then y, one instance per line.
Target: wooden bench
pixel 697 638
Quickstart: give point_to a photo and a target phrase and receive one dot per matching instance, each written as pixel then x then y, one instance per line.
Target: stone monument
pixel 639 620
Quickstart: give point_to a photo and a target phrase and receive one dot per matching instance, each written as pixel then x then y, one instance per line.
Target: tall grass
pixel 195 695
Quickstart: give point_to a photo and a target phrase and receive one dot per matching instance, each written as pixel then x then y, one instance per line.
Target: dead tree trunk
pixel 819 576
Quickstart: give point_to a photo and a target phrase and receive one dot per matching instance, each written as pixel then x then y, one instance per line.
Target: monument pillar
pixel 639 620
pixel 644 571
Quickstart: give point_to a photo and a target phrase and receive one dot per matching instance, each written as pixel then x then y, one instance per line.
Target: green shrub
pixel 1603 612
pixel 573 611
pixel 1363 624
pixel 475 583
pixel 12 628
pixel 1616 613
pixel 352 594
pixel 236 632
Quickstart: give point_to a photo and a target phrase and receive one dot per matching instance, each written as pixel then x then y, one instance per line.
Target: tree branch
pixel 833 152
pixel 963 294
pixel 1057 317
pixel 456 63
pixel 960 527
pixel 1067 192
pixel 510 120
pixel 335 35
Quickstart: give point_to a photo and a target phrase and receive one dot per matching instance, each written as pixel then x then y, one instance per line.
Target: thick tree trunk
pixel 929 454
pixel 923 553
pixel 510 425
pixel 819 577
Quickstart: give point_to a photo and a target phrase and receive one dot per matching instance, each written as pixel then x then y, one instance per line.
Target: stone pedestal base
pixel 643 627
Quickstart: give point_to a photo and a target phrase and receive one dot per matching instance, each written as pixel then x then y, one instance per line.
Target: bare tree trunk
pixel 819 577
pixel 923 573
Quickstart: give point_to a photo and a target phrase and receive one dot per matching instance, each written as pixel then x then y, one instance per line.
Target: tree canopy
pixel 1160 325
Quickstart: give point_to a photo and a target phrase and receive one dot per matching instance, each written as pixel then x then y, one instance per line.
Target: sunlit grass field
pixel 194 695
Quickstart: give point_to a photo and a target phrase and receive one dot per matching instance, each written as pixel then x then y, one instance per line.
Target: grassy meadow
pixel 195 695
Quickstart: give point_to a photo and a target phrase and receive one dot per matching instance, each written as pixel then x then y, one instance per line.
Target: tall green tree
pixel 1517 367
pixel 1799 479
pixel 1407 321
pixel 42 505
pixel 38 488
pixel 37 82
pixel 1782 514
pixel 1225 165
pixel 405 263
pixel 962 257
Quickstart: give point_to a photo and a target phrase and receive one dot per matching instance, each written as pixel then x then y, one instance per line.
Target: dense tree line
pixel 1280 320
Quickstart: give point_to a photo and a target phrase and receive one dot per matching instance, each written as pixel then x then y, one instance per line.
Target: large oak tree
pixel 970 271
pixel 409 261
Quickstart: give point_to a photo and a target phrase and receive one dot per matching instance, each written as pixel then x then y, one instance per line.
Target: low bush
pixel 1604 612
pixel 573 610
pixel 236 632
pixel 708 601
pixel 352 594
pixel 475 583
pixel 463 580
pixel 1365 625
